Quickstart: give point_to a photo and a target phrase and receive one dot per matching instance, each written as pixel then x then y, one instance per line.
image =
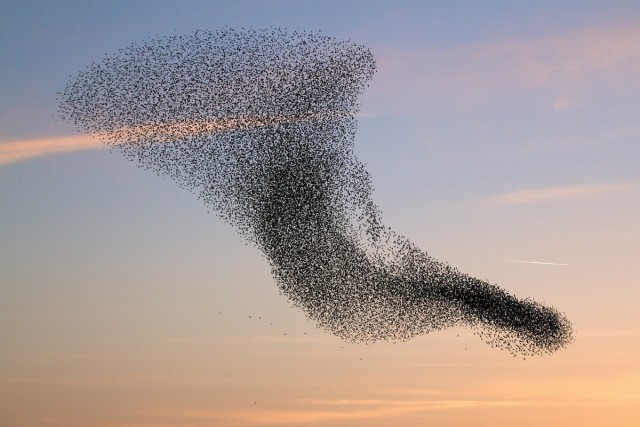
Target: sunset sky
pixel 502 137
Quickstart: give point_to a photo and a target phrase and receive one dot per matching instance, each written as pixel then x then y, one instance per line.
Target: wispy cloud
pixel 533 262
pixel 570 193
pixel 566 71
pixel 323 411
pixel 16 151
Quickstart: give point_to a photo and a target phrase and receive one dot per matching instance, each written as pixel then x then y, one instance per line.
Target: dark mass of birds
pixel 260 124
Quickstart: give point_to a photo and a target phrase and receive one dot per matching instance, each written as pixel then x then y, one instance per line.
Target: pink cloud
pixel 576 192
pixel 565 70
pixel 16 151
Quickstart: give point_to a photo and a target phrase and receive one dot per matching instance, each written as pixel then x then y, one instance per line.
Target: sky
pixel 501 136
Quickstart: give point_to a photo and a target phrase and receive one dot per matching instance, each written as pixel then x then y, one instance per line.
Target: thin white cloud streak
pixel 567 71
pixel 532 262
pixel 569 193
pixel 610 334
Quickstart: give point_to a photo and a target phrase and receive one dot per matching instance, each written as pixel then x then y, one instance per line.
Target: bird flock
pixel 260 124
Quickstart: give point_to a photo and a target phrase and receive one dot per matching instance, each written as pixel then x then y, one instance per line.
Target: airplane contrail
pixel 532 262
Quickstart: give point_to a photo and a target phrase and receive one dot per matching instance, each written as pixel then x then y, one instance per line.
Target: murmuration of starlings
pixel 260 124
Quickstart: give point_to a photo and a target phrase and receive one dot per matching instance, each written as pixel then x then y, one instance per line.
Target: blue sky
pixel 493 131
